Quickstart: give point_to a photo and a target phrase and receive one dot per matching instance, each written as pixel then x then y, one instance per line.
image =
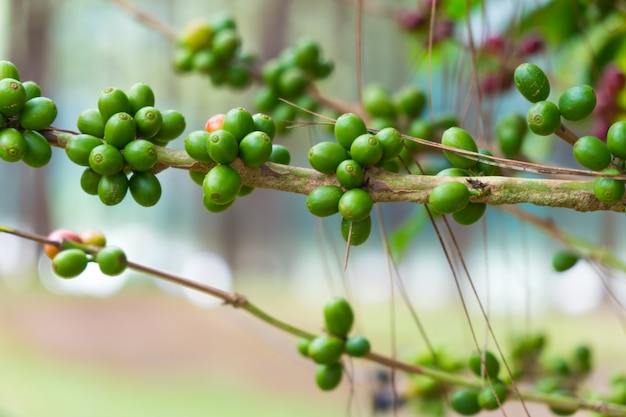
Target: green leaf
pixel 456 9
pixel 402 237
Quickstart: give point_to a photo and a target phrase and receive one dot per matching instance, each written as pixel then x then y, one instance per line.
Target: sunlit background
pixel 133 346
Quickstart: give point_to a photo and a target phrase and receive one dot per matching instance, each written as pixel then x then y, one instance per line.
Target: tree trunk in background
pixel 29 52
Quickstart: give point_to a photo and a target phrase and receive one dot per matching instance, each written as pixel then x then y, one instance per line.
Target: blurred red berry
pixel 531 44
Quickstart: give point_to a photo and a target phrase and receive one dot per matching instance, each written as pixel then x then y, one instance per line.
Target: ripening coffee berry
pixel 119 130
pixel 12 96
pixel 106 159
pixel 356 232
pixel 328 377
pixel 93 237
pixel 347 128
pixel 491 364
pixel 470 214
pixel 172 126
pixel 221 184
pixel 592 153
pixel 608 190
pixel 323 201
pixel 564 260
pixel 78 148
pixel 214 123
pixel 350 174
pixel 69 263
pixel 38 151
pixel 338 317
pixel 616 139
pixel 90 122
pixel 112 188
pixel 465 401
pixel 449 197
pixel 255 149
pixel 577 102
pixel 38 113
pixel 280 154
pixel 59 235
pixel 510 131
pixel 238 122
pixel 111 101
pixel 140 155
pixel 89 181
pixel 543 118
pixel 531 82
pixel 140 95
pixel 111 260
pixel 357 346
pixel 325 157
pixel 326 349
pixel 492 396
pixel 355 204
pixel 148 120
pixel 391 141
pixel 12 145
pixel 461 139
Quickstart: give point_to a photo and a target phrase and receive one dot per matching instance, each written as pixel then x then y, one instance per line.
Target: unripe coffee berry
pixel 69 263
pixel 543 118
pixel 531 82
pixel 111 260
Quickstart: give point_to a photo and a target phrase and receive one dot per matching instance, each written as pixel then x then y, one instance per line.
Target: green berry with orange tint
pixel 140 95
pixel 366 150
pixel 12 96
pixel 461 139
pixel 119 130
pixel 221 184
pixel 145 188
pixel 172 126
pixel 616 139
pixel 106 159
pixel 543 118
pixel 356 232
pixel 255 149
pixel 111 101
pixel 12 145
pixel 69 263
pixel 323 201
pixel 38 113
pixel 111 260
pixel 347 128
pixel 350 174
pixel 608 190
pixel 90 122
pixel 112 188
pixel 531 82
pixel 149 121
pixel 355 204
pixel 238 122
pixel 89 181
pixel 325 157
pixel 78 148
pixel 449 197
pixel 592 153
pixel 577 102
pixel 222 147
pixel 38 151
pixel 328 377
pixel 140 155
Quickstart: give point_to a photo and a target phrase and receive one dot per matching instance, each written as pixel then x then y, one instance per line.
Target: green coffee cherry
pixel 221 184
pixel 323 201
pixel 543 118
pixel 328 377
pixel 347 128
pixel 111 260
pixel 89 181
pixel 482 167
pixel 112 188
pixel 608 190
pixel 111 101
pixel 12 145
pixel 303 346
pixel 325 157
pixel 377 101
pixel 592 153
pixel 582 359
pixel 38 113
pixel 560 411
pixel 106 159
pixel 225 44
pixel 564 260
pixel 69 263
pixel 449 197
pixel 197 176
pixel 292 82
pixel 355 204
pixel 264 123
pixel 531 82
pixel 32 89
pixel 616 139
pixel 149 121
pixel 282 114
pixel 461 139
pixel 255 149
pixel 145 188
pixel 510 131
pixel 119 130
pixel 79 147
pixel 452 172
pixel 306 54
pixel 215 208
pixel 12 96
pixel 338 317
pixel 577 102
pixel 8 70
pixel 391 141
pixel 465 402
pixel 222 147
pixel 410 100
pixel 38 151
pixel 366 150
pixel 172 126
pixel 359 233
pixel 238 122
pixel 357 346
pixel 491 398
pixel 265 99
pixel 196 146
pixel 280 154
pixel 326 349
pixel 90 122
pixel 140 155
pixel 470 214
pixel 492 365
pixel 140 95
pixel 350 174
pixel 198 35
pixel 238 76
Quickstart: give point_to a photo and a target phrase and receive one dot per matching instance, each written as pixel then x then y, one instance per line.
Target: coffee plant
pixel 386 147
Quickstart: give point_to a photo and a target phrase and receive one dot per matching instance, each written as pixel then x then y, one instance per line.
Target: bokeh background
pixel 132 346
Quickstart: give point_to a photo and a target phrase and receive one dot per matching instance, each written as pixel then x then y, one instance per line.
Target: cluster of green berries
pixel 23 112
pixel 326 350
pixel 387 110
pixel 289 76
pixel 74 251
pixel 120 138
pixel 226 138
pixel 213 48
pixel 355 151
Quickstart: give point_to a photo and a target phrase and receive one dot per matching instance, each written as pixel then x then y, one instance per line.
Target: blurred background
pixel 130 345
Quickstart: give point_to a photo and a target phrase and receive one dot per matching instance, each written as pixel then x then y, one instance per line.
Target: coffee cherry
pixel 90 122
pixel 238 122
pixel 453 172
pixel 12 96
pixel 112 188
pixel 221 184
pixel 559 411
pixel 140 155
pixel 197 176
pixel 38 151
pixel 461 139
pixel 283 114
pixel 492 396
pixel 306 54
pixel 577 102
pixel 225 44
pixel 380 123
pixel 280 154
pixel 470 214
pixel 93 237
pixel 265 99
pixel 59 235
pixel 140 95
pixel 482 167
pixel 13 146
pixel 196 146
pixel 264 123
pixel 204 61
pixel 292 82
pixel 111 101
pixel 377 101
pixel 303 346
pixel 183 59
pixel 106 159
pixel 119 130
pixel 215 122
pixel 325 157
pixel 492 365
pixel 238 75
pixel 410 100
pixel 326 350
pixel 357 346
pixel 592 153
pixel 608 190
pixel 348 127
pixel 338 317
pixel 222 146
pixel 198 35
pixel 359 233
pixel 172 126
pixel 366 150
pixel 245 190
pixel 111 260
pixel 391 166
pixel 215 208
pixel 89 181
pixel 564 260
pixel 510 131
pixel 271 73
pixel 78 148
pixel 355 204
pixel 324 68
pixel 8 70
pixel 69 263
pixel 149 121
pixel 465 402
pixel 391 141
pixel 323 201
pixel 543 118
pixel 328 377
pixel 255 149
pixel 531 82
pixel 38 113
pixel 449 197
pixel 350 174
pixel 616 139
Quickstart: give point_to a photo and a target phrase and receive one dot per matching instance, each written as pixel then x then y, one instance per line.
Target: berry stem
pixel 566 134
pixel 147 19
